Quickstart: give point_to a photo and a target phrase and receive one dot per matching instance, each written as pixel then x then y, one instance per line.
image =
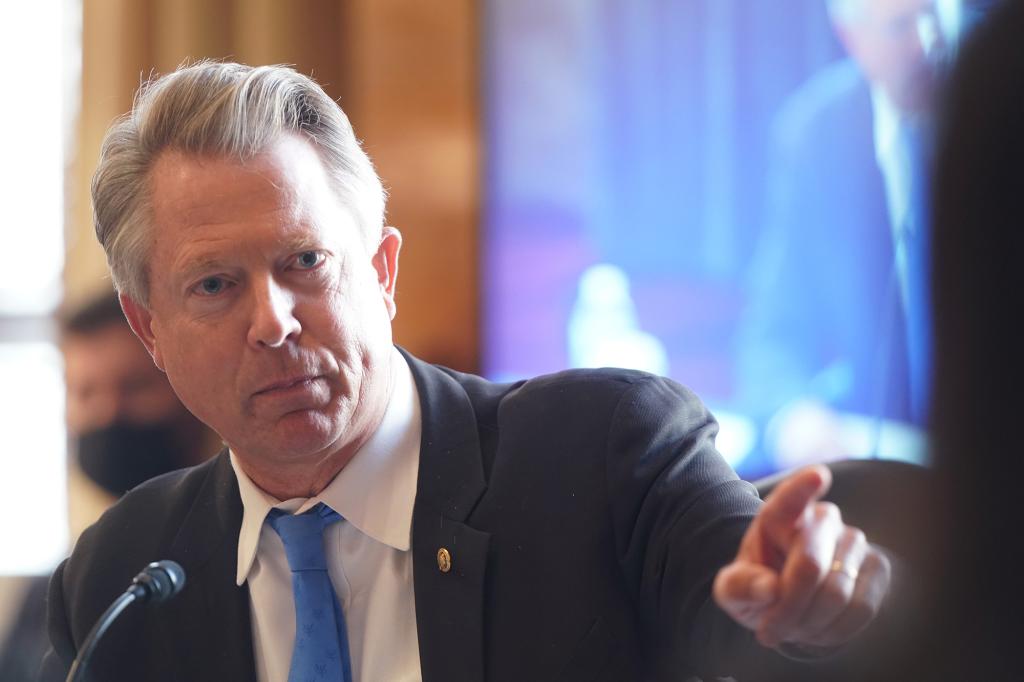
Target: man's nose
pixel 273 315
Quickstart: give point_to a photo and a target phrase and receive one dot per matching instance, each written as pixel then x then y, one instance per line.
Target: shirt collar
pixel 376 490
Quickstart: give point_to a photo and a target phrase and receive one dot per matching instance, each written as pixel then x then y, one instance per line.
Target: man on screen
pixel 834 343
pixel 374 517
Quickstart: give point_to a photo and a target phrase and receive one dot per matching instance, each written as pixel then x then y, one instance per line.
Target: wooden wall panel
pixel 412 97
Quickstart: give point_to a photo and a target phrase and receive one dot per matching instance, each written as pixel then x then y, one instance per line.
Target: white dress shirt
pixel 368 551
pixel 897 164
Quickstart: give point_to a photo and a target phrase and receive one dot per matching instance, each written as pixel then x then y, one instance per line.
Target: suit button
pixel 444 560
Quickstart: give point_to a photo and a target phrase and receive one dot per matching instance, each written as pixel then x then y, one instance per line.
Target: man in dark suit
pixel 837 320
pixel 375 517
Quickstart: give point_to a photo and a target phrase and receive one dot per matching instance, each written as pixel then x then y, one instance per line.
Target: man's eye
pixel 307 260
pixel 211 286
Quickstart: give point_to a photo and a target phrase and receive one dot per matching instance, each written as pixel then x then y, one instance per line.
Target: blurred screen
pixel 731 193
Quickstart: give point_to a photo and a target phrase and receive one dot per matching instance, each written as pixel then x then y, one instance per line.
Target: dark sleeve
pixel 679 512
pixel 61 653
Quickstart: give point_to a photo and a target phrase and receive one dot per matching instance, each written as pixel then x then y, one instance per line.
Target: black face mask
pixel 121 456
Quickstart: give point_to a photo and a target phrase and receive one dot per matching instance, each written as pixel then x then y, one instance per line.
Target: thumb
pixel 745 590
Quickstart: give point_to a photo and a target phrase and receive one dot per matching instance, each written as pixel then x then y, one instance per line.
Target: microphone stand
pixel 77 672
pixel 159 581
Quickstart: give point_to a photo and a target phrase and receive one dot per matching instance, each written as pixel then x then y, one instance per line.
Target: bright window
pixel 40 45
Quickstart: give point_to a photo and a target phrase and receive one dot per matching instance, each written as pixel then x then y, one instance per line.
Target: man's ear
pixel 385 262
pixel 141 322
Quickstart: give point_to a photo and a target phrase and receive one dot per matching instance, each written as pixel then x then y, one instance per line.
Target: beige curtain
pixel 404 71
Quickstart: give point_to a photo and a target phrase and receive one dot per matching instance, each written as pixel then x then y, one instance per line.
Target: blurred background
pixel 706 189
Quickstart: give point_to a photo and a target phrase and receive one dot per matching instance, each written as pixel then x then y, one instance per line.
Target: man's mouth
pixel 287 383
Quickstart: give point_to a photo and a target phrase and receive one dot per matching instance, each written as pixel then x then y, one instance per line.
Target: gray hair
pixel 218 109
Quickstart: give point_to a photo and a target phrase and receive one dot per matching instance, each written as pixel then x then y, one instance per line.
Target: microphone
pixel 157 582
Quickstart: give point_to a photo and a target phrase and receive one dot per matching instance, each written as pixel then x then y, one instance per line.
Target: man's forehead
pixel 182 181
pixel 283 184
pixel 208 209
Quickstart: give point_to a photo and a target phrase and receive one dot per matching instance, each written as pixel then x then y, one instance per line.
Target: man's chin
pixel 298 435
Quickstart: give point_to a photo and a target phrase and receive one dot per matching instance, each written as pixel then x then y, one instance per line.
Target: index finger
pixel 784 509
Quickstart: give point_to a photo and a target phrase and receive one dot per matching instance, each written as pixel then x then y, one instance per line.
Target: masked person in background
pixel 125 422
pixel 125 426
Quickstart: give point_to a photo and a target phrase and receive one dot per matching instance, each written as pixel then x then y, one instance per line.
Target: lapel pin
pixel 444 560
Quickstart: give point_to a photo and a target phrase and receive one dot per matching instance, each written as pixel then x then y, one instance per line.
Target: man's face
pixel 110 378
pixel 896 42
pixel 268 310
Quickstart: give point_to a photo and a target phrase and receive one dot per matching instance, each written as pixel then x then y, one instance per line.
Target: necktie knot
pixel 302 535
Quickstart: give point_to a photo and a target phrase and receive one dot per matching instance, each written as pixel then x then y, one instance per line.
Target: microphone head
pixel 160 580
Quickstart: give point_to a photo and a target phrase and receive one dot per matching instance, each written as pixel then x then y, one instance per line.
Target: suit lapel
pixel 210 635
pixel 449 557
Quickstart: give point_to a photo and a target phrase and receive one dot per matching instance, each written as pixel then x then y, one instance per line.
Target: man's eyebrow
pixel 187 269
pixel 187 266
pixel 298 242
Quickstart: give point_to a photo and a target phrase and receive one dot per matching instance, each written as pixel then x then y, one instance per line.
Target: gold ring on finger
pixel 839 567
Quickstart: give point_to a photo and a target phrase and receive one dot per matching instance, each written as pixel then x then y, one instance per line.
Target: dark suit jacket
pixel 586 514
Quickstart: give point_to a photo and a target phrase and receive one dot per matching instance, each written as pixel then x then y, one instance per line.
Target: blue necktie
pixel 913 247
pixel 320 653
